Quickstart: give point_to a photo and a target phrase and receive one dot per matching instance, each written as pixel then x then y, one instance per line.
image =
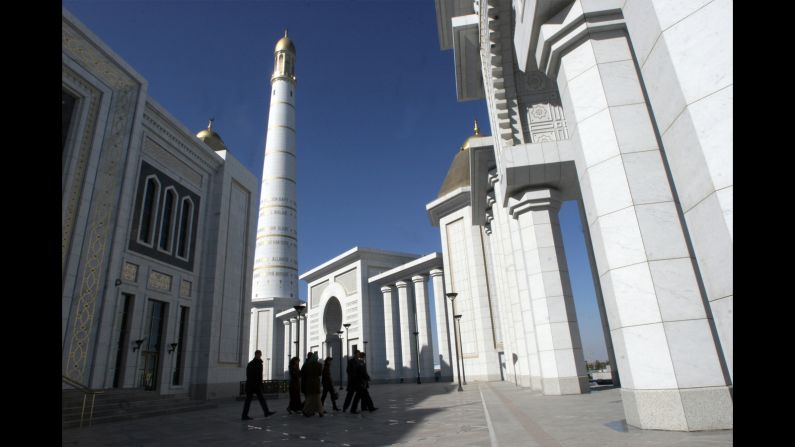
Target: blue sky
pixel 377 118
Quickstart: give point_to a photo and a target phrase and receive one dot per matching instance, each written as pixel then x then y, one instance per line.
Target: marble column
pixel 423 324
pixel 557 334
pixel 293 345
pixel 287 346
pixel 407 347
pixel 673 376
pixel 304 337
pixel 443 323
pixel 392 365
pixel 523 356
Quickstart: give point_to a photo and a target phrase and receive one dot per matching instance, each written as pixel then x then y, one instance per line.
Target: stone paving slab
pixel 434 414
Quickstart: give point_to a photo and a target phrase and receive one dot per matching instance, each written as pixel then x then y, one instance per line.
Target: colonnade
pixel 407 321
pixel 292 324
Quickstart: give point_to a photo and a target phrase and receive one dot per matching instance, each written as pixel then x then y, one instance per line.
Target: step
pixel 198 405
pixel 125 406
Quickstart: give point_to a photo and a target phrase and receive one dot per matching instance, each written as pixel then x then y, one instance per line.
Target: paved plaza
pixel 485 414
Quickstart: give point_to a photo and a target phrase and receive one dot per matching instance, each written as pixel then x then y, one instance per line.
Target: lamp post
pixel 452 296
pixel 365 351
pixel 347 343
pixel 417 339
pixel 339 334
pixel 463 372
pixel 298 309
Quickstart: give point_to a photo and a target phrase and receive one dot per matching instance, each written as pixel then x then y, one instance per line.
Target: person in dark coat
pixel 364 388
pixel 310 379
pixel 328 385
pixel 353 382
pixel 254 386
pixel 363 384
pixel 295 404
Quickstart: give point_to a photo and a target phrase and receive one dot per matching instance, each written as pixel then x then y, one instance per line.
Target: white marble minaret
pixel 276 255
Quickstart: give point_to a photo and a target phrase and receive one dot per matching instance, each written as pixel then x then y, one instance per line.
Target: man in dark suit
pixel 254 386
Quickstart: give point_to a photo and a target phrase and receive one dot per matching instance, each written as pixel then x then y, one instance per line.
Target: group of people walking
pixel 312 379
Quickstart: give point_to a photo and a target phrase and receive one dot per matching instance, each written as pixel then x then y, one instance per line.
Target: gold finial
pixel 285 32
pixel 477 131
pixel 210 124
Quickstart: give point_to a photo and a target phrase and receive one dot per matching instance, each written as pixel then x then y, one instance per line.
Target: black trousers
pixel 250 397
pixel 367 402
pixel 333 399
pixel 348 398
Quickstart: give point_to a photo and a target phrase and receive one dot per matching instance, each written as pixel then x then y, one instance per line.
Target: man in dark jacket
pixel 254 386
pixel 353 381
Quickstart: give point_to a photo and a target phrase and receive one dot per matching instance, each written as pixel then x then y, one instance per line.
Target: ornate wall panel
pixel 110 170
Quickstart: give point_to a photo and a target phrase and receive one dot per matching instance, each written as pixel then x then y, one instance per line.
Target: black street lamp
pixel 452 296
pixel 463 371
pixel 417 339
pixel 339 334
pixel 347 342
pixel 298 309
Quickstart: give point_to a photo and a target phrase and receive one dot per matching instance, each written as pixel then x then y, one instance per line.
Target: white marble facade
pixel 625 107
pixel 158 229
pixel 338 294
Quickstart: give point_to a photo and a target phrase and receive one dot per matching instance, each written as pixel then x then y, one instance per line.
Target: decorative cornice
pixel 568 28
pixel 533 200
pixel 169 135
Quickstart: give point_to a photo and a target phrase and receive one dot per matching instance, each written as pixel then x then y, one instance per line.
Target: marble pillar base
pixel 690 409
pixel 536 384
pixel 566 385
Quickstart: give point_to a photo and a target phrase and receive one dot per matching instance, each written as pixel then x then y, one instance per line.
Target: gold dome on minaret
pixel 211 138
pixel 285 44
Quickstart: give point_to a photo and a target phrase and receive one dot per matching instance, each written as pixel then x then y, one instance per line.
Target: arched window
pixel 146 227
pixel 185 227
pixel 167 222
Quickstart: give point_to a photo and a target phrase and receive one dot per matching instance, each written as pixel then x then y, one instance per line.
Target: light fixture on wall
pixel 172 347
pixel 118 282
pixel 138 344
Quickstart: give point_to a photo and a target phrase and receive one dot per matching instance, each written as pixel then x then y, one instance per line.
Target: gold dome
pixel 285 44
pixel 211 138
pixel 465 146
pixel 458 174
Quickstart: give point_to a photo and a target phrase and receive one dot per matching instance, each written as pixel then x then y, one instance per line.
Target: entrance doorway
pixel 152 350
pixel 124 339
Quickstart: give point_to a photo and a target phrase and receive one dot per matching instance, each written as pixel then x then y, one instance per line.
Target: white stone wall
pixel 465 274
pixel 684 51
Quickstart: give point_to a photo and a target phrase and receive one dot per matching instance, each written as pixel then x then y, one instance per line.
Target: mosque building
pixel 158 232
pixel 621 106
pixel 170 280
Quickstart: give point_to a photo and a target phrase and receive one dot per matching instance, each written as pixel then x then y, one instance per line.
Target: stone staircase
pixel 120 404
